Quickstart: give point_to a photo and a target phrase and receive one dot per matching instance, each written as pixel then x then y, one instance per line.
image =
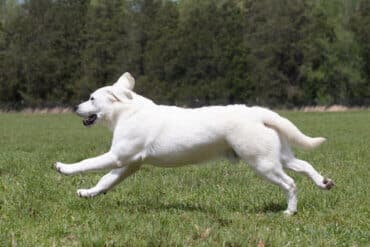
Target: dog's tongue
pixel 90 120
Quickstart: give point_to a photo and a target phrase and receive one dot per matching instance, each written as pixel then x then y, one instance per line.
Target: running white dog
pixel 169 136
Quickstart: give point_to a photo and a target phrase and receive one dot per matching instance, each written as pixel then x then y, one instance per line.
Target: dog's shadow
pixel 150 206
pixel 272 207
pixel 183 207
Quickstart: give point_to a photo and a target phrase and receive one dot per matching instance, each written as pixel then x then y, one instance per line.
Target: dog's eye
pixel 91 98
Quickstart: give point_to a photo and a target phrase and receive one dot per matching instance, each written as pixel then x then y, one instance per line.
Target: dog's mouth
pixel 90 120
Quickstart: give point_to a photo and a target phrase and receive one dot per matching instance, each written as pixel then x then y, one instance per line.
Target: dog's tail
pixel 287 129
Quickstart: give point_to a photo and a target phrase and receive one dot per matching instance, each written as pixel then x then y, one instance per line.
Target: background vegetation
pixel 193 52
pixel 217 204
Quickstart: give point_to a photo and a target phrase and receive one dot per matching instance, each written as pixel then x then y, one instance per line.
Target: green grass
pixel 217 204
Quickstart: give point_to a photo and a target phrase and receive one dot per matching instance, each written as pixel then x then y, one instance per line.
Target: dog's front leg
pixel 106 161
pixel 108 181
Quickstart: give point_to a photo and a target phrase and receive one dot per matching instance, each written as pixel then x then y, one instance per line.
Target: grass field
pixel 218 204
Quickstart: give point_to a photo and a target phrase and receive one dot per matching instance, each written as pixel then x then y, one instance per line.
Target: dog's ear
pixel 120 96
pixel 126 81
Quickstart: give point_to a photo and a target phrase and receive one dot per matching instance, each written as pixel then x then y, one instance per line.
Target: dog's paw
pixel 327 184
pixel 58 167
pixel 83 193
pixel 289 212
pixel 87 193
pixel 61 168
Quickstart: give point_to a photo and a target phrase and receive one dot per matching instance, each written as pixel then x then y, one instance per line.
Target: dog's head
pixel 100 103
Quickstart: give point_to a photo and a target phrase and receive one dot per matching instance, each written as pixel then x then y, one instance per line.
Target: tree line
pixel 282 53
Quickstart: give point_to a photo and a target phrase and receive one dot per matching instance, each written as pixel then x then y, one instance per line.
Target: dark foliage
pixel 191 52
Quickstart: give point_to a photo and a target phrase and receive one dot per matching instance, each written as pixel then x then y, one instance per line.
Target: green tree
pixel 360 24
pixel 333 63
pixel 106 44
pixel 153 46
pixel 41 58
pixel 193 52
pixel 212 54
pixel 278 33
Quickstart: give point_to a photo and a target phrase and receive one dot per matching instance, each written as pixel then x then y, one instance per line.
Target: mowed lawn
pixel 216 204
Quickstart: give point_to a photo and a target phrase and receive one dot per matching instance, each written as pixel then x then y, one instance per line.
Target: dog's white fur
pixel 170 136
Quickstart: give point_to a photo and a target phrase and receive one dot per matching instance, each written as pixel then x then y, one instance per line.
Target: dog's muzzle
pixel 90 120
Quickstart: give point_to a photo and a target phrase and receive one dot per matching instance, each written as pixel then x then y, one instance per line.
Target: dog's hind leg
pixel 304 167
pixel 263 155
pixel 108 181
pixel 274 173
pixel 289 161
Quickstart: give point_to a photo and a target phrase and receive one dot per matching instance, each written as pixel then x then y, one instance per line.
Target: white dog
pixel 170 136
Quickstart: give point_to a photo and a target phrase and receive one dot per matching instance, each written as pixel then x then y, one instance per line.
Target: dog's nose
pixel 75 108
